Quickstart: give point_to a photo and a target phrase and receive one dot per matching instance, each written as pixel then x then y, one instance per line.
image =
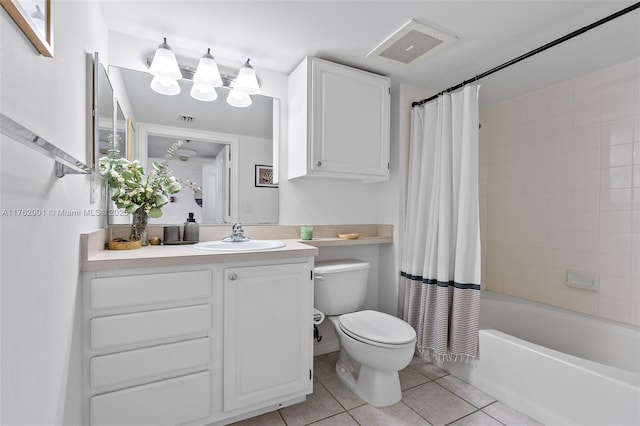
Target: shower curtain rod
pixel 533 52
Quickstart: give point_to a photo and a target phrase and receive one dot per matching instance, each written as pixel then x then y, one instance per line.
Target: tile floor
pixel 430 396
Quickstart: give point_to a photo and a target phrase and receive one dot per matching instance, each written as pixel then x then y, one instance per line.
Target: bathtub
pixel 557 366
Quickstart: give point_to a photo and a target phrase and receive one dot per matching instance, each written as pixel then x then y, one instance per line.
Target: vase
pixel 139 228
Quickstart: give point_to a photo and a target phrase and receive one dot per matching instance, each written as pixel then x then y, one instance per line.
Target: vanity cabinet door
pixel 339 123
pixel 268 334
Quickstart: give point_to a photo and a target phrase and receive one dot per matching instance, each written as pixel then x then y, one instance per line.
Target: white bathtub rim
pixel 624 378
pixel 551 395
pixel 604 328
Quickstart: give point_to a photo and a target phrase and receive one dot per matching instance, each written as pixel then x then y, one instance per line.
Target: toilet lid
pixel 377 327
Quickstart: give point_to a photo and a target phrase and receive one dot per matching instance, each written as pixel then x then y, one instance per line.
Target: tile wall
pixel 560 189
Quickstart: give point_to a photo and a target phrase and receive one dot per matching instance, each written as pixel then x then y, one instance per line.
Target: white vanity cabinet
pixel 267 339
pixel 339 120
pixel 196 345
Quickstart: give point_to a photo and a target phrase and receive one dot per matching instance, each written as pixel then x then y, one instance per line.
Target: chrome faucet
pixel 237 234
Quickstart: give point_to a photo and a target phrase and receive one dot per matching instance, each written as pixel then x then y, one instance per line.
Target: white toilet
pixel 380 344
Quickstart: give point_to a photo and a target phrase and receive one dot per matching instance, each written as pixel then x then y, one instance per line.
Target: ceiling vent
pixel 413 42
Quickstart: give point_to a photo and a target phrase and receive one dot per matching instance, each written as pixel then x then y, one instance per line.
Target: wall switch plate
pixel 92 190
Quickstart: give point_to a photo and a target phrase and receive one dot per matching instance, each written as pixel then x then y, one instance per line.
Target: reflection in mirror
pixel 222 144
pixel 108 119
pixel 103 111
pixel 121 130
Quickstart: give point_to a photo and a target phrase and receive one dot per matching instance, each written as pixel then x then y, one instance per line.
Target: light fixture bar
pixel 188 73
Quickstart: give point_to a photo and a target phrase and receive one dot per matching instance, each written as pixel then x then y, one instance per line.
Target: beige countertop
pixel 95 257
pixel 174 255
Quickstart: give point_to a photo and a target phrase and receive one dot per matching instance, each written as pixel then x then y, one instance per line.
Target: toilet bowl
pixel 381 345
pixel 376 345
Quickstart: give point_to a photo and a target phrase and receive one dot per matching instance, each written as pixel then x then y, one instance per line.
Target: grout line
pixel 490 414
pixel 281 417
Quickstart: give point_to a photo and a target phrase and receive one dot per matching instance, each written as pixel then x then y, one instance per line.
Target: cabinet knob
pixel 233 277
pixel 318 163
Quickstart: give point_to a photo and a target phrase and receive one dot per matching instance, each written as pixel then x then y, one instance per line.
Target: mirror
pixel 107 116
pixel 221 145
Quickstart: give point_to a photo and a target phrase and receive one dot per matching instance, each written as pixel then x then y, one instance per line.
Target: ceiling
pixel 278 34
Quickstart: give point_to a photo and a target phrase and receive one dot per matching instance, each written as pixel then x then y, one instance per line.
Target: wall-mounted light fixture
pixel 206 78
pixel 165 71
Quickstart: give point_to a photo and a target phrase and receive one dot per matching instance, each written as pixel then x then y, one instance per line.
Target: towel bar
pixel 65 163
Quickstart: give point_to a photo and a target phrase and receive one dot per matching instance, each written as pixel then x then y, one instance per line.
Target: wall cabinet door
pixel 339 122
pixel 268 333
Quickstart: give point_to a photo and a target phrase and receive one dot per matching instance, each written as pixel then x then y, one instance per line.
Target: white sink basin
pixel 251 245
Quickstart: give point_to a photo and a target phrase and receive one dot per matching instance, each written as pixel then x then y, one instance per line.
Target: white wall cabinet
pixel 339 121
pixel 196 345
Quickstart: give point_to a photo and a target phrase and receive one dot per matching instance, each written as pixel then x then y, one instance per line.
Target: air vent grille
pixel 413 42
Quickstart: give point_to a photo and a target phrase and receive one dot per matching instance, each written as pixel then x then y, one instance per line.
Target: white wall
pixel 255 204
pixel 39 255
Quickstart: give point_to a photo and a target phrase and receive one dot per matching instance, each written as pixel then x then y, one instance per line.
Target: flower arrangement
pixel 138 193
pixel 133 190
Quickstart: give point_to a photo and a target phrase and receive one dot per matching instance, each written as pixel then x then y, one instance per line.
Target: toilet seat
pixel 377 328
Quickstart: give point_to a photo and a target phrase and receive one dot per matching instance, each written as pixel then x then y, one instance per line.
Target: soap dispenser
pixel 191 229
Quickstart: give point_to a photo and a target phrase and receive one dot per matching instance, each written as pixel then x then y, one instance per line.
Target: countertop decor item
pixel 140 194
pixel 120 244
pixel 306 232
pixel 349 236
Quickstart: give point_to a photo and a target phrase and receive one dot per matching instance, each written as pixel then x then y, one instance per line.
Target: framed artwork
pixel 34 19
pixel 264 176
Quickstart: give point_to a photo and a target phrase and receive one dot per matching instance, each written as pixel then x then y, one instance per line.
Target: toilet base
pixel 378 388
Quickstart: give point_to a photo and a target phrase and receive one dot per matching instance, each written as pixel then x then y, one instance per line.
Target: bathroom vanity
pixel 173 335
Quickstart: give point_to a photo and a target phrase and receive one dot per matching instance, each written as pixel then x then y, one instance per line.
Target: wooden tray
pixel 124 245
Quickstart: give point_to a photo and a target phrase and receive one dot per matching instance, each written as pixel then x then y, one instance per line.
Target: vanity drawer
pixel 149 362
pixel 168 402
pixel 117 330
pixel 115 292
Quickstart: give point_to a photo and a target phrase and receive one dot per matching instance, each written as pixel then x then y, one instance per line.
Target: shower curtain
pixel 440 264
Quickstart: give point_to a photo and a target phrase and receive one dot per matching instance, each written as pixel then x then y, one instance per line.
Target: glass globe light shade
pixel 165 86
pixel 203 92
pixel 164 63
pixel 207 71
pixel 238 99
pixel 247 81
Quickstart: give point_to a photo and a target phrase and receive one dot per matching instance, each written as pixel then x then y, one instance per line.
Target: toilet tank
pixel 340 286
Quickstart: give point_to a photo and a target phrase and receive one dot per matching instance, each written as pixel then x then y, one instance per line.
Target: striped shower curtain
pixel 440 266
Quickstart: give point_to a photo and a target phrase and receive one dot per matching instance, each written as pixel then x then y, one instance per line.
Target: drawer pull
pixel 233 277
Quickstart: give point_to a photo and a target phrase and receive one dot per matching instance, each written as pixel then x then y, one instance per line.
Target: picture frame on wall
pixel 34 19
pixel 264 176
